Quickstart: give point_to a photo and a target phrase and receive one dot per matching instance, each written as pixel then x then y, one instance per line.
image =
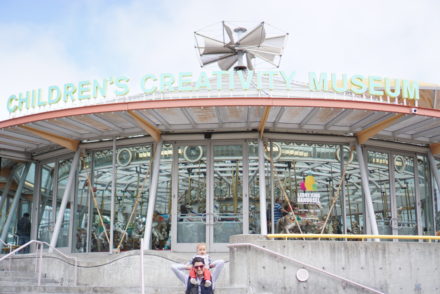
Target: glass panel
pixel 64 167
pixel 271 226
pixel 379 180
pixel 254 190
pixel 191 226
pixel 82 204
pixel 425 195
pixel 228 192
pixel 46 216
pixel 308 175
pixel 437 200
pixel 405 194
pixel 161 238
pixel 29 182
pixel 354 204
pixel 22 207
pixel 133 175
pixel 101 179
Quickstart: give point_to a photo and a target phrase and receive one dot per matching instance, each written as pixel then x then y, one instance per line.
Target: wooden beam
pixel 435 148
pixel 68 143
pixel 4 172
pixel 263 121
pixel 149 128
pixel 366 134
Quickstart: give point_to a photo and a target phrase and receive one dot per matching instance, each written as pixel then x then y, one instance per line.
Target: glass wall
pixel 426 199
pixel 82 234
pixel 24 204
pixel 314 188
pixel 228 191
pixel 254 190
pixel 100 193
pixel 192 177
pixel 161 228
pixel 380 189
pixel 395 185
pixel 436 192
pixel 306 187
pixel 404 185
pixel 46 215
pixel 133 176
pixel 353 194
pixel 64 167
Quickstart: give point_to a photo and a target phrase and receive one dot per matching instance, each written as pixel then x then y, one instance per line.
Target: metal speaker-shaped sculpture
pixel 240 48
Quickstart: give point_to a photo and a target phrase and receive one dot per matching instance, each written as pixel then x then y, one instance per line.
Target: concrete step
pixel 15 278
pixel 17 274
pixel 109 290
pixel 27 282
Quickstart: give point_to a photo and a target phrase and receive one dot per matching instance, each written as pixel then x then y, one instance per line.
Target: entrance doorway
pixel 395 191
pixel 208 194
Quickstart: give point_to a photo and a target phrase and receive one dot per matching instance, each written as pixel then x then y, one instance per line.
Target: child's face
pixel 201 250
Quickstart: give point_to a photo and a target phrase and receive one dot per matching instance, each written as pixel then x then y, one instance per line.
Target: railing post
pixel 142 266
pixel 40 263
pixel 76 272
pixel 37 252
pixel 10 258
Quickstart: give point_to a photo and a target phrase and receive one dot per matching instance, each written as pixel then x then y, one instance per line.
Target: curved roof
pixel 296 111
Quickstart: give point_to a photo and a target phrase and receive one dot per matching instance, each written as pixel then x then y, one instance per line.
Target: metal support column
pixel 67 191
pixel 368 201
pixel 245 188
pixel 36 201
pixel 152 196
pixel 418 201
pixel 14 204
pixel 272 191
pixel 434 192
pixel 344 185
pixel 262 177
pixel 112 200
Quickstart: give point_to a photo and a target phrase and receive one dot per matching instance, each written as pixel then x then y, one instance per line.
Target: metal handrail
pixel 351 236
pixel 306 265
pixel 39 254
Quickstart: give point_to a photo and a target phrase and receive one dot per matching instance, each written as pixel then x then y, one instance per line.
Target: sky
pixel 53 42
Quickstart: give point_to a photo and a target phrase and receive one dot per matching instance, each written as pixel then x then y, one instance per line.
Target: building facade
pixel 182 167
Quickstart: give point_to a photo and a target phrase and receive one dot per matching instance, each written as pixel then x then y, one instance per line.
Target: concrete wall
pixel 117 270
pixel 391 267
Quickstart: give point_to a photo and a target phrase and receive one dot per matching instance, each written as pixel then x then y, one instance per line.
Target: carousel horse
pixel 287 224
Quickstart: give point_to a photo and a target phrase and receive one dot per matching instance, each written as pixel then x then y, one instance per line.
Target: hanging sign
pixel 308 196
pixel 89 92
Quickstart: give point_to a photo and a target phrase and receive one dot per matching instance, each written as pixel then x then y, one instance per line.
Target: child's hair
pixel 200 244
